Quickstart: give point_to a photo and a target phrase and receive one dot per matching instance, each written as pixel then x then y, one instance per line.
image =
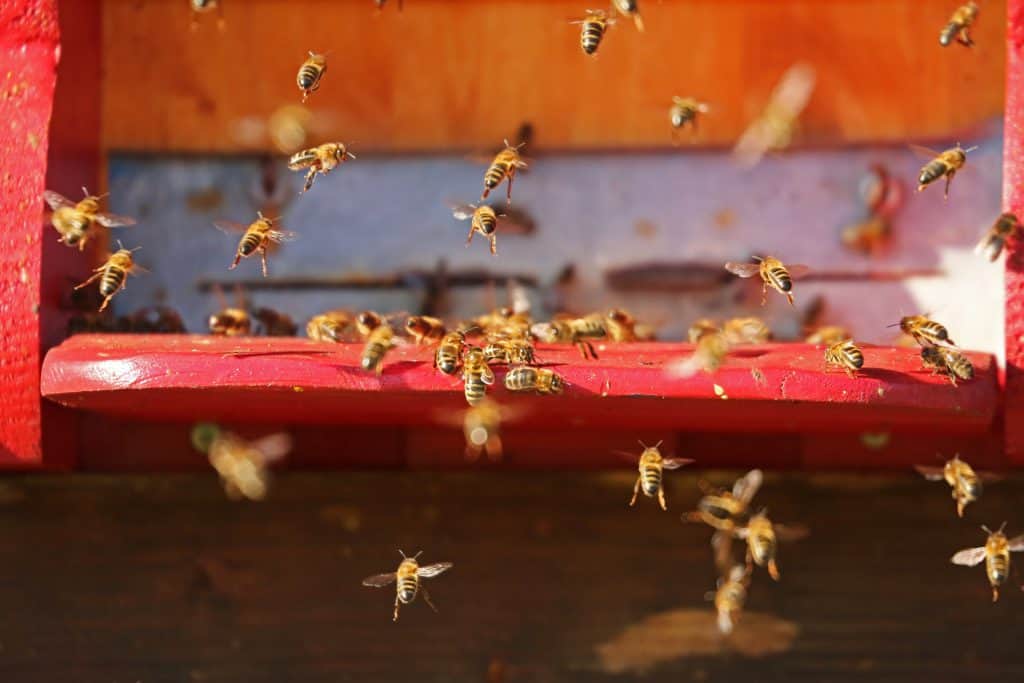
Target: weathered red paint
pixel 1013 200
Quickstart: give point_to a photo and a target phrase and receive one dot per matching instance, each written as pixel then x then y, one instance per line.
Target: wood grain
pixel 462 75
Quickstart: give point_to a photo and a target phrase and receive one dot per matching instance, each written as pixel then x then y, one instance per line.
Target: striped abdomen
pixel 651 479
pixel 407 588
pixel 521 379
pixel 447 358
pixel 932 171
pixel 589 328
pixel 998 567
pixel 309 75
pixel 970 486
pixel 590 37
pixel 250 242
pixel 303 159
pixel 762 547
pixel 487 221
pixel 497 172
pixel 779 278
pixel 475 389
pixel 683 114
pixel 112 279
pixel 959 364
pixel 373 354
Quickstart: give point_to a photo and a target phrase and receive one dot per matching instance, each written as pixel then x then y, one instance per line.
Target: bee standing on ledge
pixel 113 275
pixel 275 323
pixel 953 364
pixel 578 331
pixel 319 160
pixel 925 331
pixel 423 328
pixel 685 111
pixel 620 325
pixel 651 466
pixel 476 376
pixel 408 576
pixel 965 482
pixel 504 166
pixel 484 220
pixel 74 220
pixel 256 238
pixel 1005 227
pixel 828 335
pixel 448 356
pixel 996 553
pixel 943 165
pixel 773 274
pixel 378 343
pixel 958 25
pixel 730 596
pixel 845 355
pixel 538 380
pixel 310 74
pixel 630 8
pixel 329 327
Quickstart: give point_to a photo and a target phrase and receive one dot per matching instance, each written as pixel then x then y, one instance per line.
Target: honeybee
pixel 685 111
pixel 959 24
pixel 158 319
pixel 726 510
pixel 408 576
pixel 538 380
pixel 1005 227
pixel 481 426
pixel 241 464
pixel 367 322
pixel 867 236
pixel 255 238
pixel 762 537
pixel 424 328
pixel 578 331
pixel 509 351
pixel 925 331
pixel 504 166
pixel 74 221
pixel 775 127
pixel 204 6
pixel 378 342
pixel 712 348
pixel 730 597
pixel 651 466
pixel 773 274
pixel 231 321
pixel 448 356
pixel 320 160
pixel 630 8
pixel 330 326
pixel 620 325
pixel 113 274
pixel 701 328
pixel 484 220
pixel 476 376
pixel 746 331
pixel 881 193
pixel 310 73
pixel 827 335
pixel 594 25
pixel 945 361
pixel 965 482
pixel 845 355
pixel 274 323
pixel 996 553
pixel 943 165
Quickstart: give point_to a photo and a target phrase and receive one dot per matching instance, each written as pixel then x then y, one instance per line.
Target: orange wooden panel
pixel 464 74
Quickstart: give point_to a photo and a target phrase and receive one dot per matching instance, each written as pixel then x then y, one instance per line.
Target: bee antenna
pixel 417 554
pixel 756 257
pixel 402 553
pixel 986 529
pixel 970 149
pixel 658 445
pixel 1002 526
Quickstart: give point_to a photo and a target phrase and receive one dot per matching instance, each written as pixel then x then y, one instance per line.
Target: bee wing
pixel 56 200
pixel 747 485
pixel 794 89
pixel 434 569
pixel 798 270
pixel 1016 543
pixel 380 580
pixel 230 226
pixel 686 367
pixel 280 236
pixel 743 269
pixel 742 532
pixel 969 557
pixel 931 473
pixel 791 532
pixel 112 220
pixel 924 152
pixel 273 447
pixel 989 476
pixel 627 456
pixel 675 463
pixel 462 211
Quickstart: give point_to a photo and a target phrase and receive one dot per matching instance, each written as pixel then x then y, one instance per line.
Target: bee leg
pixel 592 350
pixel 789 295
pixel 397 603
pixel 995 593
pixel 426 597
pixel 773 570
pixel 636 492
pixel 310 178
pixel 234 264
pixel 661 499
pixel 263 260
pixel 106 301
pixel 750 560
pixel 95 276
pixel 469 237
pixel 764 293
pixel 511 177
pixel 494 245
pixel 949 179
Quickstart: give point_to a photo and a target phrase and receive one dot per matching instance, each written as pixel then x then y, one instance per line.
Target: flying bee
pixel 726 510
pixel 256 238
pixel 953 364
pixel 378 343
pixel 424 328
pixel 578 331
pixel 925 331
pixel 504 166
pixel 685 111
pixel 330 326
pixel 620 325
pixel 762 537
pixel 241 464
pixel 868 236
pixel 510 351
pixel 651 466
pixel 73 221
pixel 320 160
pixel 701 328
pixel 746 331
pixel 961 477
pixel 274 323
pixel 630 8
pixel 310 74
pixel 996 553
pixel 484 220
pixel 476 375
pixel 593 27
pixel 204 6
pixel 775 127
pixel 773 274
pixel 1005 227
pixel 943 165
pixel 408 576
pixel 539 380
pixel 846 355
pixel 113 274
pixel 712 349
pixel 730 597
pixel 448 356
pixel 959 24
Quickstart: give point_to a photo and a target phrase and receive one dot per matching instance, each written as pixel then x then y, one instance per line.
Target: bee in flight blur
pixel 379 341
pixel 503 167
pixel 774 128
pixel 113 274
pixel 593 27
pixel 685 111
pixel 255 238
pixel 241 464
pixel 1005 227
pixel 746 331
pixel 730 597
pixel 74 221
pixel 942 165
pixel 483 220
pixel 538 380
pixel 762 537
pixel 953 364
pixel 846 355
pixel 773 274
pixel 204 6
pixel 424 329
pixel 310 74
pixel 630 8
pixel 320 160
pixel 712 349
pixel 408 577
pixel 652 466
pixel 726 510
pixel 620 325
pixel 959 24
pixel 924 330
pixel 476 376
pixel 961 477
pixel 331 326
pixel 996 553
pixel 481 425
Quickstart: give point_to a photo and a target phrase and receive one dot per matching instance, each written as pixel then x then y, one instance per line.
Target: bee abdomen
pixel 111 281
pixel 933 170
pixel 475 390
pixel 651 480
pixel 998 568
pixel 407 588
pixel 372 355
pixel 780 278
pixel 447 361
pixel 854 357
pixel 250 243
pixel 495 174
pixel 590 39
pixel 308 76
pixel 301 159
pixel 488 223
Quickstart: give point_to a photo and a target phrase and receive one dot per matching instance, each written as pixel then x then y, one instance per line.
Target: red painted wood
pixel 28 60
pixel 1013 200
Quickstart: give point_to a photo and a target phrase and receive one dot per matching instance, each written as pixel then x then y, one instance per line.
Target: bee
pixel 231 322
pixel 620 325
pixel 241 464
pixel 746 331
pixel 310 73
pixel 651 466
pixel 996 553
pixel 1005 227
pixel 594 25
pixel 484 220
pixel 504 166
pixel 274 323
pixel 378 343
pixel 408 576
pixel 481 427
pixel 73 221
pixel 726 510
pixel 845 355
pixel 630 8
pixel 701 328
pixel 330 326
pixel 945 361
pixel 762 537
pixel 476 376
pixel 943 165
pixel 320 160
pixel 259 235
pixel 113 274
pixel 157 319
pixel 685 111
pixel 827 335
pixel 423 328
pixel 448 356
pixel 509 351
pixel 730 596
pixel 775 126
pixel 712 349
pixel 958 25
pixel 578 331
pixel 204 6
pixel 868 236
pixel 773 274
pixel 538 380
pixel 925 331
pixel 965 482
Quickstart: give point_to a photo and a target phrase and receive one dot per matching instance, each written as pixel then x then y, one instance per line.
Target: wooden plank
pixel 1013 200
pixel 162 579
pixel 463 75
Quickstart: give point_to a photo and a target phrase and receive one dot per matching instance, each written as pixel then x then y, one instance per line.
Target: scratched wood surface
pixel 463 75
pixel 161 579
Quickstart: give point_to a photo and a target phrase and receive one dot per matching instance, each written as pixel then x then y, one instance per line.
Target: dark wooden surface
pixel 162 579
